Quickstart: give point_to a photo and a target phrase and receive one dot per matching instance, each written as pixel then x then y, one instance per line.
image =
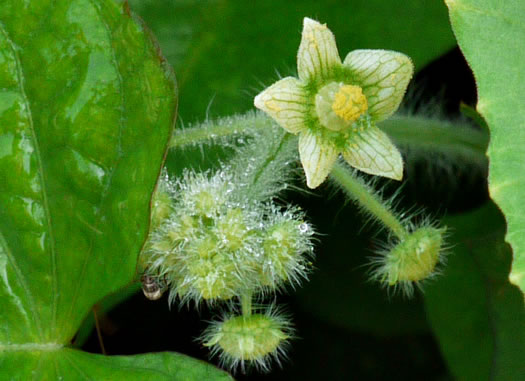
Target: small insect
pixel 152 287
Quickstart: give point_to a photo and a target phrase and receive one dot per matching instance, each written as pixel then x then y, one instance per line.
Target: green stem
pixel 433 135
pixel 246 303
pixel 271 157
pixel 222 128
pixel 358 191
pixel 426 134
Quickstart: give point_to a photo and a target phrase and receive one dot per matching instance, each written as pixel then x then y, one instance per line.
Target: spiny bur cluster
pixel 216 243
pixel 222 238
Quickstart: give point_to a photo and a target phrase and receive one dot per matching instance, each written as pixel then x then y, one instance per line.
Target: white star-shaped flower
pixel 334 105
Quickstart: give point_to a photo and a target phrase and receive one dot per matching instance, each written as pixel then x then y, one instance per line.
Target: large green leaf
pixel 87 106
pixel 69 364
pixel 83 136
pixel 222 50
pixel 476 314
pixel 491 34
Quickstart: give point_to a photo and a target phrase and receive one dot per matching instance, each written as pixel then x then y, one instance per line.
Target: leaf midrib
pixel 31 347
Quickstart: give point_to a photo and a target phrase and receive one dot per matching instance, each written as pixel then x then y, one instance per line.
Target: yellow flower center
pixel 339 105
pixel 349 103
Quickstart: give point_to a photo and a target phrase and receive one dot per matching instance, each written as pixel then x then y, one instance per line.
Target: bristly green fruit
pixel 412 260
pixel 247 341
pixel 286 250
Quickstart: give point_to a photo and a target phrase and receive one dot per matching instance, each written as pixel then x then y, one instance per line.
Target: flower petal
pixel 317 54
pixel 371 151
pixel 285 101
pixel 317 156
pixel 383 75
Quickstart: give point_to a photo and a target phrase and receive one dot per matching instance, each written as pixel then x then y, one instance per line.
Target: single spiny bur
pixel 412 260
pixel 287 249
pixel 251 340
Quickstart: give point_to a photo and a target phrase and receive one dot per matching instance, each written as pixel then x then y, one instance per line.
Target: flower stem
pixel 284 140
pixel 438 136
pixel 358 191
pixel 427 134
pixel 222 128
pixel 246 303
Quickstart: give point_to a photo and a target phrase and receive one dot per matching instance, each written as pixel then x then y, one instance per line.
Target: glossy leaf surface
pixel 86 112
pixel 68 364
pixel 491 34
pixel 87 106
pixel 477 316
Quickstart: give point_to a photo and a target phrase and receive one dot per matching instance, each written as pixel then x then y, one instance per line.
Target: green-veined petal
pixel 317 156
pixel 371 151
pixel 383 75
pixel 285 101
pixel 317 55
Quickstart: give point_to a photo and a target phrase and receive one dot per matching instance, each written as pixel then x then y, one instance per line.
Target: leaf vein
pixel 18 272
pixel 112 171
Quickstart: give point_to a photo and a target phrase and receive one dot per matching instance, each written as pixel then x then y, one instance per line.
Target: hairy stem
pixel 271 157
pixel 99 332
pixel 424 134
pixel 358 191
pixel 246 303
pixel 433 135
pixel 222 128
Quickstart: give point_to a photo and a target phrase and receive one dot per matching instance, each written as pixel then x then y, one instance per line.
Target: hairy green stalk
pixel 420 133
pixel 246 303
pixel 267 163
pixel 438 136
pixel 264 164
pixel 369 201
pixel 222 128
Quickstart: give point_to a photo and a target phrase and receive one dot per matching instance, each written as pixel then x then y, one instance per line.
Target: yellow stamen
pixel 349 103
